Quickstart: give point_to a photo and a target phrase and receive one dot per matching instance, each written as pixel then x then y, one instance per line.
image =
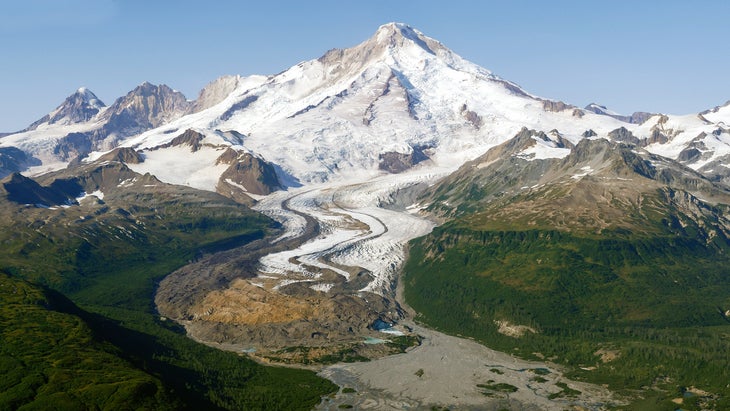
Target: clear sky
pixel 661 56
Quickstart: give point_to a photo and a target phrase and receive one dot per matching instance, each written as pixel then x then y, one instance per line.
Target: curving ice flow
pixel 355 231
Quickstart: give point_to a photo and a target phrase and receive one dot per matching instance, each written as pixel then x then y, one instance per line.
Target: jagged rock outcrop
pixel 190 138
pixel 145 107
pixel 112 178
pixel 14 160
pixel 215 92
pixel 79 107
pixel 716 108
pixel 125 155
pixel 73 145
pixel 623 135
pixel 471 116
pixel 556 106
pixel 637 117
pixel 248 173
pixel 395 162
pixel 659 135
pixel 24 190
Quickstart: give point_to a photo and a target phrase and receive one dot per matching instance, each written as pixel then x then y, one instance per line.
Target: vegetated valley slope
pixel 604 234
pixel 104 235
pixel 606 258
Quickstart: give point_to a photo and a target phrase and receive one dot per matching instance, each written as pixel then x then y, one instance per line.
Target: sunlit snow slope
pixel 397 99
pixel 397 92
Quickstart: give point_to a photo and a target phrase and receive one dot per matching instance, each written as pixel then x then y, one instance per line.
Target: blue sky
pixel 660 56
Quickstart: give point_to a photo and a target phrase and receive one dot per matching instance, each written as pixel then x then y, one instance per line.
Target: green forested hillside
pixel 114 351
pixel 657 303
pixel 612 261
pixel 51 359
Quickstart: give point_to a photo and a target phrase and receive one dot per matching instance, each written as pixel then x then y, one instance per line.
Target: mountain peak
pixel 80 106
pixel 146 87
pixel 145 107
pixel 88 97
pixel 394 28
pixel 394 35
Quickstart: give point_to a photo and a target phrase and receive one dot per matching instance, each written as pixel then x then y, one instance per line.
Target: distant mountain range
pixel 397 99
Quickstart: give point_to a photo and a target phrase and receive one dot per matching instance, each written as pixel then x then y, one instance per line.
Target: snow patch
pixel 323 287
pixel 586 171
pixel 98 194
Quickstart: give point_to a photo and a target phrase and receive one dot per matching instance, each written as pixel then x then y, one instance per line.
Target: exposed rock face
pixel 113 178
pixel 14 160
pixel 716 108
pixel 189 138
pixel 556 106
pixel 252 173
pixel 125 155
pixel 23 190
pixel 228 157
pixel 689 154
pixel 623 135
pixel 215 92
pixel 695 150
pixel 716 171
pixel 637 117
pixel 392 86
pixel 658 135
pixel 599 185
pixel 81 106
pixel 145 107
pixel 471 116
pixel 73 145
pixel 394 162
pixel 108 177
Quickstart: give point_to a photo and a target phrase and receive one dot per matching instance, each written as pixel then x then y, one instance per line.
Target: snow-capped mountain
pixel 79 107
pixel 145 107
pixel 83 124
pixel 354 110
pixel 394 101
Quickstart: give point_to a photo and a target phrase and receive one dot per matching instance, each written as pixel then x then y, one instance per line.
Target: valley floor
pixel 459 374
pixel 364 227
